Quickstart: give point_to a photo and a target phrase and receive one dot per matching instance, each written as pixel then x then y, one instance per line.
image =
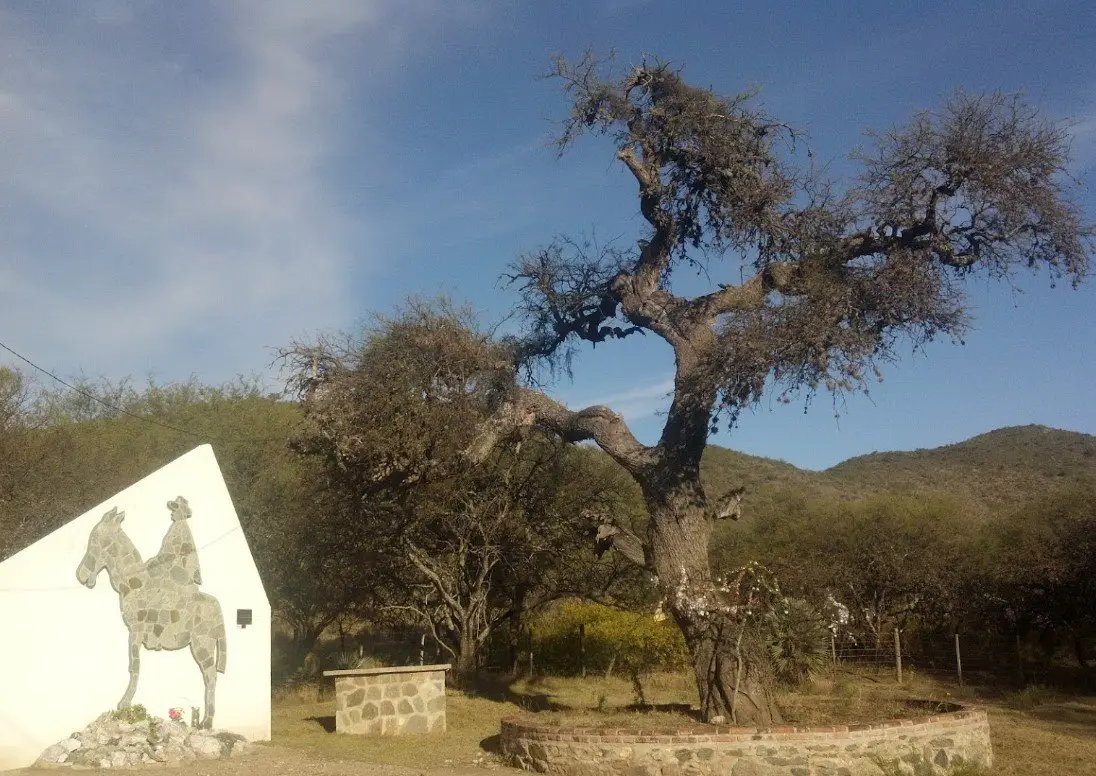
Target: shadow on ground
pixel 327 723
pixel 1075 718
pixel 492 744
pixel 495 687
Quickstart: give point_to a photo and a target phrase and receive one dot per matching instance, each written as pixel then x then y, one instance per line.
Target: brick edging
pixel 519 727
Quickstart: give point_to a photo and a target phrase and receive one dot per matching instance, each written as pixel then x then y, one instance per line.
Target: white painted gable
pixel 64 647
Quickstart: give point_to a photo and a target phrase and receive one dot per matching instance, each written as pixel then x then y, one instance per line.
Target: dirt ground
pixel 270 760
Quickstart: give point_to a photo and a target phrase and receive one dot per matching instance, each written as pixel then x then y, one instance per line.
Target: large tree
pixel 819 284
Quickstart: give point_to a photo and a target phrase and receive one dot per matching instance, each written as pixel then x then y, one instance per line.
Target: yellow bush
pixel 620 641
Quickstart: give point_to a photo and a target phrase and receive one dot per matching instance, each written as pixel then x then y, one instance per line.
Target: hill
pixel 995 469
pixel 991 471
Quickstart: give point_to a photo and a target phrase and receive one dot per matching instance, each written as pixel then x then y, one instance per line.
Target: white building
pixel 65 650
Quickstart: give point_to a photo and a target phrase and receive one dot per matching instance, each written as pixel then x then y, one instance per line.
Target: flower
pixel 176 714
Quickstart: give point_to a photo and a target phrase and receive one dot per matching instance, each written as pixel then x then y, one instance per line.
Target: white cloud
pixel 177 203
pixel 1083 142
pixel 636 403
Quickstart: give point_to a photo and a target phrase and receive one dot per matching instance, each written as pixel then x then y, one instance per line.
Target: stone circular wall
pixel 927 743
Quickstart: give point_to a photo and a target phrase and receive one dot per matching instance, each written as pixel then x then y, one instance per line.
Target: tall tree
pixel 828 286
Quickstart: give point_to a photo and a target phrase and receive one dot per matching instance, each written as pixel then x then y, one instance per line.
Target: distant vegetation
pixel 992 536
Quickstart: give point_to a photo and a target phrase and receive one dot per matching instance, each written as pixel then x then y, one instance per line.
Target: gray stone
pixel 111 743
pixel 54 754
pixel 205 747
pixel 161 604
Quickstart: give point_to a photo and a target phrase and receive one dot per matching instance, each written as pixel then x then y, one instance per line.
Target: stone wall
pixel 390 701
pixel 924 746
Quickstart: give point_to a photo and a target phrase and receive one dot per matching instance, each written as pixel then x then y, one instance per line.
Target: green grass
pixel 1034 733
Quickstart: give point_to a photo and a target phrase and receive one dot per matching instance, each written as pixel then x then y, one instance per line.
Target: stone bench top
pixel 389 670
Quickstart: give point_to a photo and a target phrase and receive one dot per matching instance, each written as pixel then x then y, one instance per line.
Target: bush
pixel 798 640
pixel 131 714
pixel 1033 695
pixel 616 641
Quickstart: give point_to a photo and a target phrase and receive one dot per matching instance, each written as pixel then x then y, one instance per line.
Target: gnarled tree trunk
pixel 730 675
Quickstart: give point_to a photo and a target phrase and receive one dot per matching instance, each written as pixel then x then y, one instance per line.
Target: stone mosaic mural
pixel 162 606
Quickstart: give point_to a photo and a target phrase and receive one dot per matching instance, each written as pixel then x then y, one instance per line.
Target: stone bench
pixel 390 701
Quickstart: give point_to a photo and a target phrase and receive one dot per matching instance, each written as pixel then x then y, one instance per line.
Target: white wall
pixel 63 647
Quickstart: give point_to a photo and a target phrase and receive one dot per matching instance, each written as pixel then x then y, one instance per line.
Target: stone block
pixel 390 702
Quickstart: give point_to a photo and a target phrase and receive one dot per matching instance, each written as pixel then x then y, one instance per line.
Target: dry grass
pixel 1035 732
pixel 304 720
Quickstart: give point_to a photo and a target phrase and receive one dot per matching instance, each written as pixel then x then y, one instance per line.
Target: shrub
pixel 630 643
pixel 131 714
pixel 798 640
pixel 1033 695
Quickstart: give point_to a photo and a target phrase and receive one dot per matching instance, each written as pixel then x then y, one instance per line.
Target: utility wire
pixel 62 588
pixel 122 411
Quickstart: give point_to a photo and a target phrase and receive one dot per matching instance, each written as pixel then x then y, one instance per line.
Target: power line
pixel 63 588
pixel 122 411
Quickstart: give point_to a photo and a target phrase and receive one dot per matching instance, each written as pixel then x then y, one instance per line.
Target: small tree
pixel 464 548
pixel 821 287
pixel 1044 568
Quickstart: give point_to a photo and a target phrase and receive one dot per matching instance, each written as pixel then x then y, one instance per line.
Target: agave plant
pixel 798 639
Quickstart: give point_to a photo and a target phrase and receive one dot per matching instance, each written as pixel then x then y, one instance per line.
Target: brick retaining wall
pixel 921 746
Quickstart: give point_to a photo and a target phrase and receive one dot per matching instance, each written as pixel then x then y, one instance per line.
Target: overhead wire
pixel 123 411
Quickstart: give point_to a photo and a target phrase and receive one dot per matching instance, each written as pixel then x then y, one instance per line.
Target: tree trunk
pixel 729 674
pixel 302 647
pixel 1079 651
pixel 730 682
pixel 467 654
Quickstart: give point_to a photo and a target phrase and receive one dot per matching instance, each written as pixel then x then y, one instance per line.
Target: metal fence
pixel 956 657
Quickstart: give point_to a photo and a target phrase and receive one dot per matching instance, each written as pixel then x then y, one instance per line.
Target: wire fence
pixel 894 656
pixel 963 659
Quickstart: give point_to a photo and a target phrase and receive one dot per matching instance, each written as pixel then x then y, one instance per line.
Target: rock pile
pixel 115 743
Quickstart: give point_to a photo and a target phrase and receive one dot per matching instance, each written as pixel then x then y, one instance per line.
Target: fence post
pixel 958 660
pixel 582 649
pixel 531 653
pixel 898 654
pixel 833 647
pixel 422 649
pixel 1020 658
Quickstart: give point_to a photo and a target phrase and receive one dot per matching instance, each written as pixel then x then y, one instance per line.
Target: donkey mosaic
pixel 161 604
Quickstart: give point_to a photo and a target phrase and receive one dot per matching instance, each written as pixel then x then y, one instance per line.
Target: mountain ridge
pixel 991 470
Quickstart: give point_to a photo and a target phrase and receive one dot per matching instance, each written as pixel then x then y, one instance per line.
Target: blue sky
pixel 186 186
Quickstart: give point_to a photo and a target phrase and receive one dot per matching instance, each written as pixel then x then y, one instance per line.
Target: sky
pixel 186 187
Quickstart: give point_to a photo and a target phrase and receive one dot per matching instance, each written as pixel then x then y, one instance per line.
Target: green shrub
pixel 347 659
pixel 798 641
pixel 1033 695
pixel 131 714
pixel 627 643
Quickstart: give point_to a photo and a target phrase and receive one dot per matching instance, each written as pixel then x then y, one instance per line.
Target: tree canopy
pixel 815 285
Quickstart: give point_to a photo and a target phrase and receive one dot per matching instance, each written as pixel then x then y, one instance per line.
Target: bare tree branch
pixel 527 408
